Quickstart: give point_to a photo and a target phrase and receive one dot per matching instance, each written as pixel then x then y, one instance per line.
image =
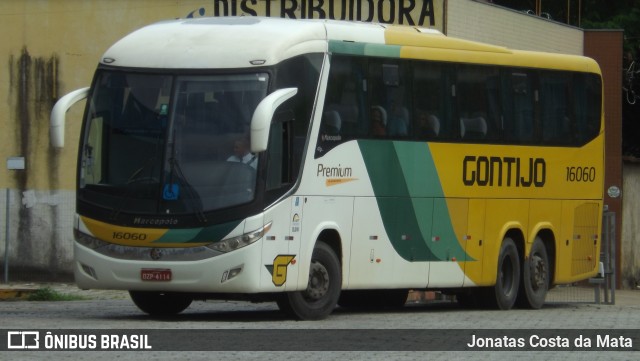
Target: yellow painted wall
pixel 53 48
pixel 49 48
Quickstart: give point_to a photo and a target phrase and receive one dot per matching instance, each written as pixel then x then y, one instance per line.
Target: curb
pixel 7 294
pixel 23 291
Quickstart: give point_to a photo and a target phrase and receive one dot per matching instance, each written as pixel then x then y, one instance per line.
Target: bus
pixel 318 163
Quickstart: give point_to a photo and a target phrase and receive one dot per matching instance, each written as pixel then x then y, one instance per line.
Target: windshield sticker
pixel 171 192
pixel 295 223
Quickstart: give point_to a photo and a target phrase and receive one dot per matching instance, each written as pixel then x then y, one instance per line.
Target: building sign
pixel 426 13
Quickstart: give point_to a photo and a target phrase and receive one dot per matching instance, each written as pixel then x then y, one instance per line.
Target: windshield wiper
pixel 133 178
pixel 193 197
pixel 174 168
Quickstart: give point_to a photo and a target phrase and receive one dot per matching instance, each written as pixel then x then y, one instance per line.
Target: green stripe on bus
pixel 209 234
pixel 179 235
pixel 368 49
pixel 411 201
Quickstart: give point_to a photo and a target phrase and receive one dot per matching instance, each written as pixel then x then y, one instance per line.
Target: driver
pixel 241 153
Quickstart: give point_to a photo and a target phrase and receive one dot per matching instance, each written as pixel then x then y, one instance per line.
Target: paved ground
pixel 112 310
pixel 16 291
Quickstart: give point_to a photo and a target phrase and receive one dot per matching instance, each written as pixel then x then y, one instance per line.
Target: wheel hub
pixel 538 272
pixel 318 281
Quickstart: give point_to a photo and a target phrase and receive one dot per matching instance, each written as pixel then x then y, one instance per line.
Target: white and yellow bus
pixel 320 163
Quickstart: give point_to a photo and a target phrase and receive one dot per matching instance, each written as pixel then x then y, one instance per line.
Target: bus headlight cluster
pixel 233 243
pixel 87 240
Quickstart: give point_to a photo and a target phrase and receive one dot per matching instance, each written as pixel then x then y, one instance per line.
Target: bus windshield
pixel 167 144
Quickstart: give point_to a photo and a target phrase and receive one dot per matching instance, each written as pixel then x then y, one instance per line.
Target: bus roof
pixel 223 42
pixel 240 42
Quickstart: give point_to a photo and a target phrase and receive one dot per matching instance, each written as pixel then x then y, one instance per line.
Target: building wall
pixel 470 19
pixel 630 246
pixel 606 48
pixel 51 47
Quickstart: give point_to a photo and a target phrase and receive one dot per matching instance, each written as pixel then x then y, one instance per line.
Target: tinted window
pixel 478 99
pixel 290 125
pixel 519 106
pixel 432 101
pixel 389 99
pixel 437 101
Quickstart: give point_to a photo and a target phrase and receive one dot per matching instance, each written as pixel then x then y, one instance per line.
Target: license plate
pixel 155 274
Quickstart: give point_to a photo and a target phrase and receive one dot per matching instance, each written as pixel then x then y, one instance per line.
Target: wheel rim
pixel 538 272
pixel 318 285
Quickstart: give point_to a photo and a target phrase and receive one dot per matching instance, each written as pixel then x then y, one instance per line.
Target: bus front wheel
pixel 160 303
pixel 535 277
pixel 323 288
pixel 504 294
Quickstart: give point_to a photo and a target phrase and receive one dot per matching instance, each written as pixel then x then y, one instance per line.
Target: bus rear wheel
pixel 323 288
pixel 535 277
pixel 504 294
pixel 160 303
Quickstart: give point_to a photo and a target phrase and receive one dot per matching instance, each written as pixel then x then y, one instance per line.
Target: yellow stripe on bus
pixel 130 236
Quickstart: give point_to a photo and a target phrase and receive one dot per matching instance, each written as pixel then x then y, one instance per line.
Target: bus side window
pixel 479 109
pixel 389 89
pixel 587 104
pixel 279 150
pixel 432 100
pixel 518 107
pixel 301 72
pixel 556 115
pixel 331 123
pixel 342 116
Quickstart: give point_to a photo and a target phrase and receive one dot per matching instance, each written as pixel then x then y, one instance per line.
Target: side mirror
pixel 261 120
pixel 59 112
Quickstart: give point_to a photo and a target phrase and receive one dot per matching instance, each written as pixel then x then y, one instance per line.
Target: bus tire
pixel 535 277
pixel 323 290
pixel 505 292
pixel 160 303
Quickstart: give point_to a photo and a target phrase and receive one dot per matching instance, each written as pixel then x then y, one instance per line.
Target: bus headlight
pixel 87 240
pixel 231 244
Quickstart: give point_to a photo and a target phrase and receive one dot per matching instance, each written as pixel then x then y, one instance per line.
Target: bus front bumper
pixel 234 272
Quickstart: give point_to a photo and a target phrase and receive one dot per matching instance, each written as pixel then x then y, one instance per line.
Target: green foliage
pixel 48 294
pixel 624 15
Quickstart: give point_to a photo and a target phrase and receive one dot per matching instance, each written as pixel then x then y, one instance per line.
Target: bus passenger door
pixel 282 245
